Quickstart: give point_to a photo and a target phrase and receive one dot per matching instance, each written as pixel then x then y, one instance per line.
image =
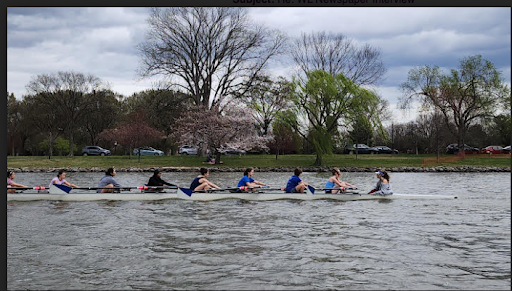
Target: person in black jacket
pixel 156 180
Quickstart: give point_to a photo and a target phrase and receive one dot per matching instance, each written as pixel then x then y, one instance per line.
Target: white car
pixel 187 150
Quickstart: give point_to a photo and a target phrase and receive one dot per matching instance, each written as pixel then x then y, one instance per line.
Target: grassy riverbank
pixel 260 161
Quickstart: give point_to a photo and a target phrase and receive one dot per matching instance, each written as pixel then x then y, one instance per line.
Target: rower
pixel 295 183
pixel 200 183
pixel 60 180
pixel 108 181
pixel 383 187
pixel 10 182
pixel 156 180
pixel 248 181
pixel 334 185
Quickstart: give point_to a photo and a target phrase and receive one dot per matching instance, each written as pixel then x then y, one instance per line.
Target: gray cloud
pixel 102 41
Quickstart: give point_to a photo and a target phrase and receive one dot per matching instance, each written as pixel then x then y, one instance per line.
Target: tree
pixel 16 131
pixel 323 103
pixel 234 128
pixel 162 107
pixel 209 51
pixel 463 96
pixel 362 131
pixel 134 133
pixel 66 94
pixel 104 112
pixel 337 54
pixel 285 138
pixel 267 97
pixel 41 115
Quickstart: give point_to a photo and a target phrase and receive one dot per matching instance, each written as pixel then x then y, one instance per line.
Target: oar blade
pixel 184 193
pixel 59 189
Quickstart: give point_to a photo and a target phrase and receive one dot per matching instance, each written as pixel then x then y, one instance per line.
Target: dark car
pixel 494 150
pixel 361 149
pixel 386 150
pixel 95 151
pixel 454 149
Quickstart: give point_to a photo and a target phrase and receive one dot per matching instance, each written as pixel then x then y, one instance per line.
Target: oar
pixel 114 188
pixel 145 187
pixel 27 188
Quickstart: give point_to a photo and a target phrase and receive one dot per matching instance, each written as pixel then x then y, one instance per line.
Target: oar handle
pixel 145 187
pixel 28 188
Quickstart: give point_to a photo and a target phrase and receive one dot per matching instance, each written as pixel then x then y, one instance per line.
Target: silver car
pixel 187 150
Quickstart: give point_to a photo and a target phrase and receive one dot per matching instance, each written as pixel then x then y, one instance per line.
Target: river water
pixel 267 245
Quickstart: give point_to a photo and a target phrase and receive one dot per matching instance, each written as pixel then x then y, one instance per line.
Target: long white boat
pixel 186 194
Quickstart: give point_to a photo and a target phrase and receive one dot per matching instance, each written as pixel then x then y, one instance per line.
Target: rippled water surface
pixel 232 244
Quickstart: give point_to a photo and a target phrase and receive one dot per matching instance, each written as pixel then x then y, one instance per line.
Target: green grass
pixel 260 161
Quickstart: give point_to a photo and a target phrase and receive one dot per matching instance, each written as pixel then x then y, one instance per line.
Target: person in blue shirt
pixel 334 185
pixel 295 184
pixel 248 181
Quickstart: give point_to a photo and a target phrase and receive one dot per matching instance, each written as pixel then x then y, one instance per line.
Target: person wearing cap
pixel 108 181
pixel 334 185
pixel 156 180
pixel 10 183
pixel 383 187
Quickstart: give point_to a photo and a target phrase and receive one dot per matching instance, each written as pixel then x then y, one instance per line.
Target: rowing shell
pixel 181 194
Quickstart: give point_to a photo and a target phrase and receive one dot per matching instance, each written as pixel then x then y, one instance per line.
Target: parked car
pixel 232 151
pixel 361 149
pixel 494 150
pixel 386 150
pixel 148 151
pixel 506 150
pixel 187 150
pixel 454 149
pixel 95 151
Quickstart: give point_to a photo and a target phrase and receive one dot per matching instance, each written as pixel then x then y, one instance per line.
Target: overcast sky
pixel 103 41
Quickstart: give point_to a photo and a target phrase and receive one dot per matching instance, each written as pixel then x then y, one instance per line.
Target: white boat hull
pixel 267 196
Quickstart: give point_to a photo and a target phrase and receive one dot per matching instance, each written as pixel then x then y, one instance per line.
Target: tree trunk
pixel 71 153
pixel 217 157
pixel 318 161
pixel 50 146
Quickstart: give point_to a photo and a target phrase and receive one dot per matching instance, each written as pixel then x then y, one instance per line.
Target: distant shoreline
pixel 272 169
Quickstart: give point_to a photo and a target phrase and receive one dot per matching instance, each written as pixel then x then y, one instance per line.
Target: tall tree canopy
pixel 337 54
pixel 324 103
pixel 209 52
pixel 463 96
pixel 67 95
pixel 267 97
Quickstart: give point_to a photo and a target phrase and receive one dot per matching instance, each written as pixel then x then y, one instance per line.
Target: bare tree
pixel 463 96
pixel 209 52
pixel 335 54
pixel 66 95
